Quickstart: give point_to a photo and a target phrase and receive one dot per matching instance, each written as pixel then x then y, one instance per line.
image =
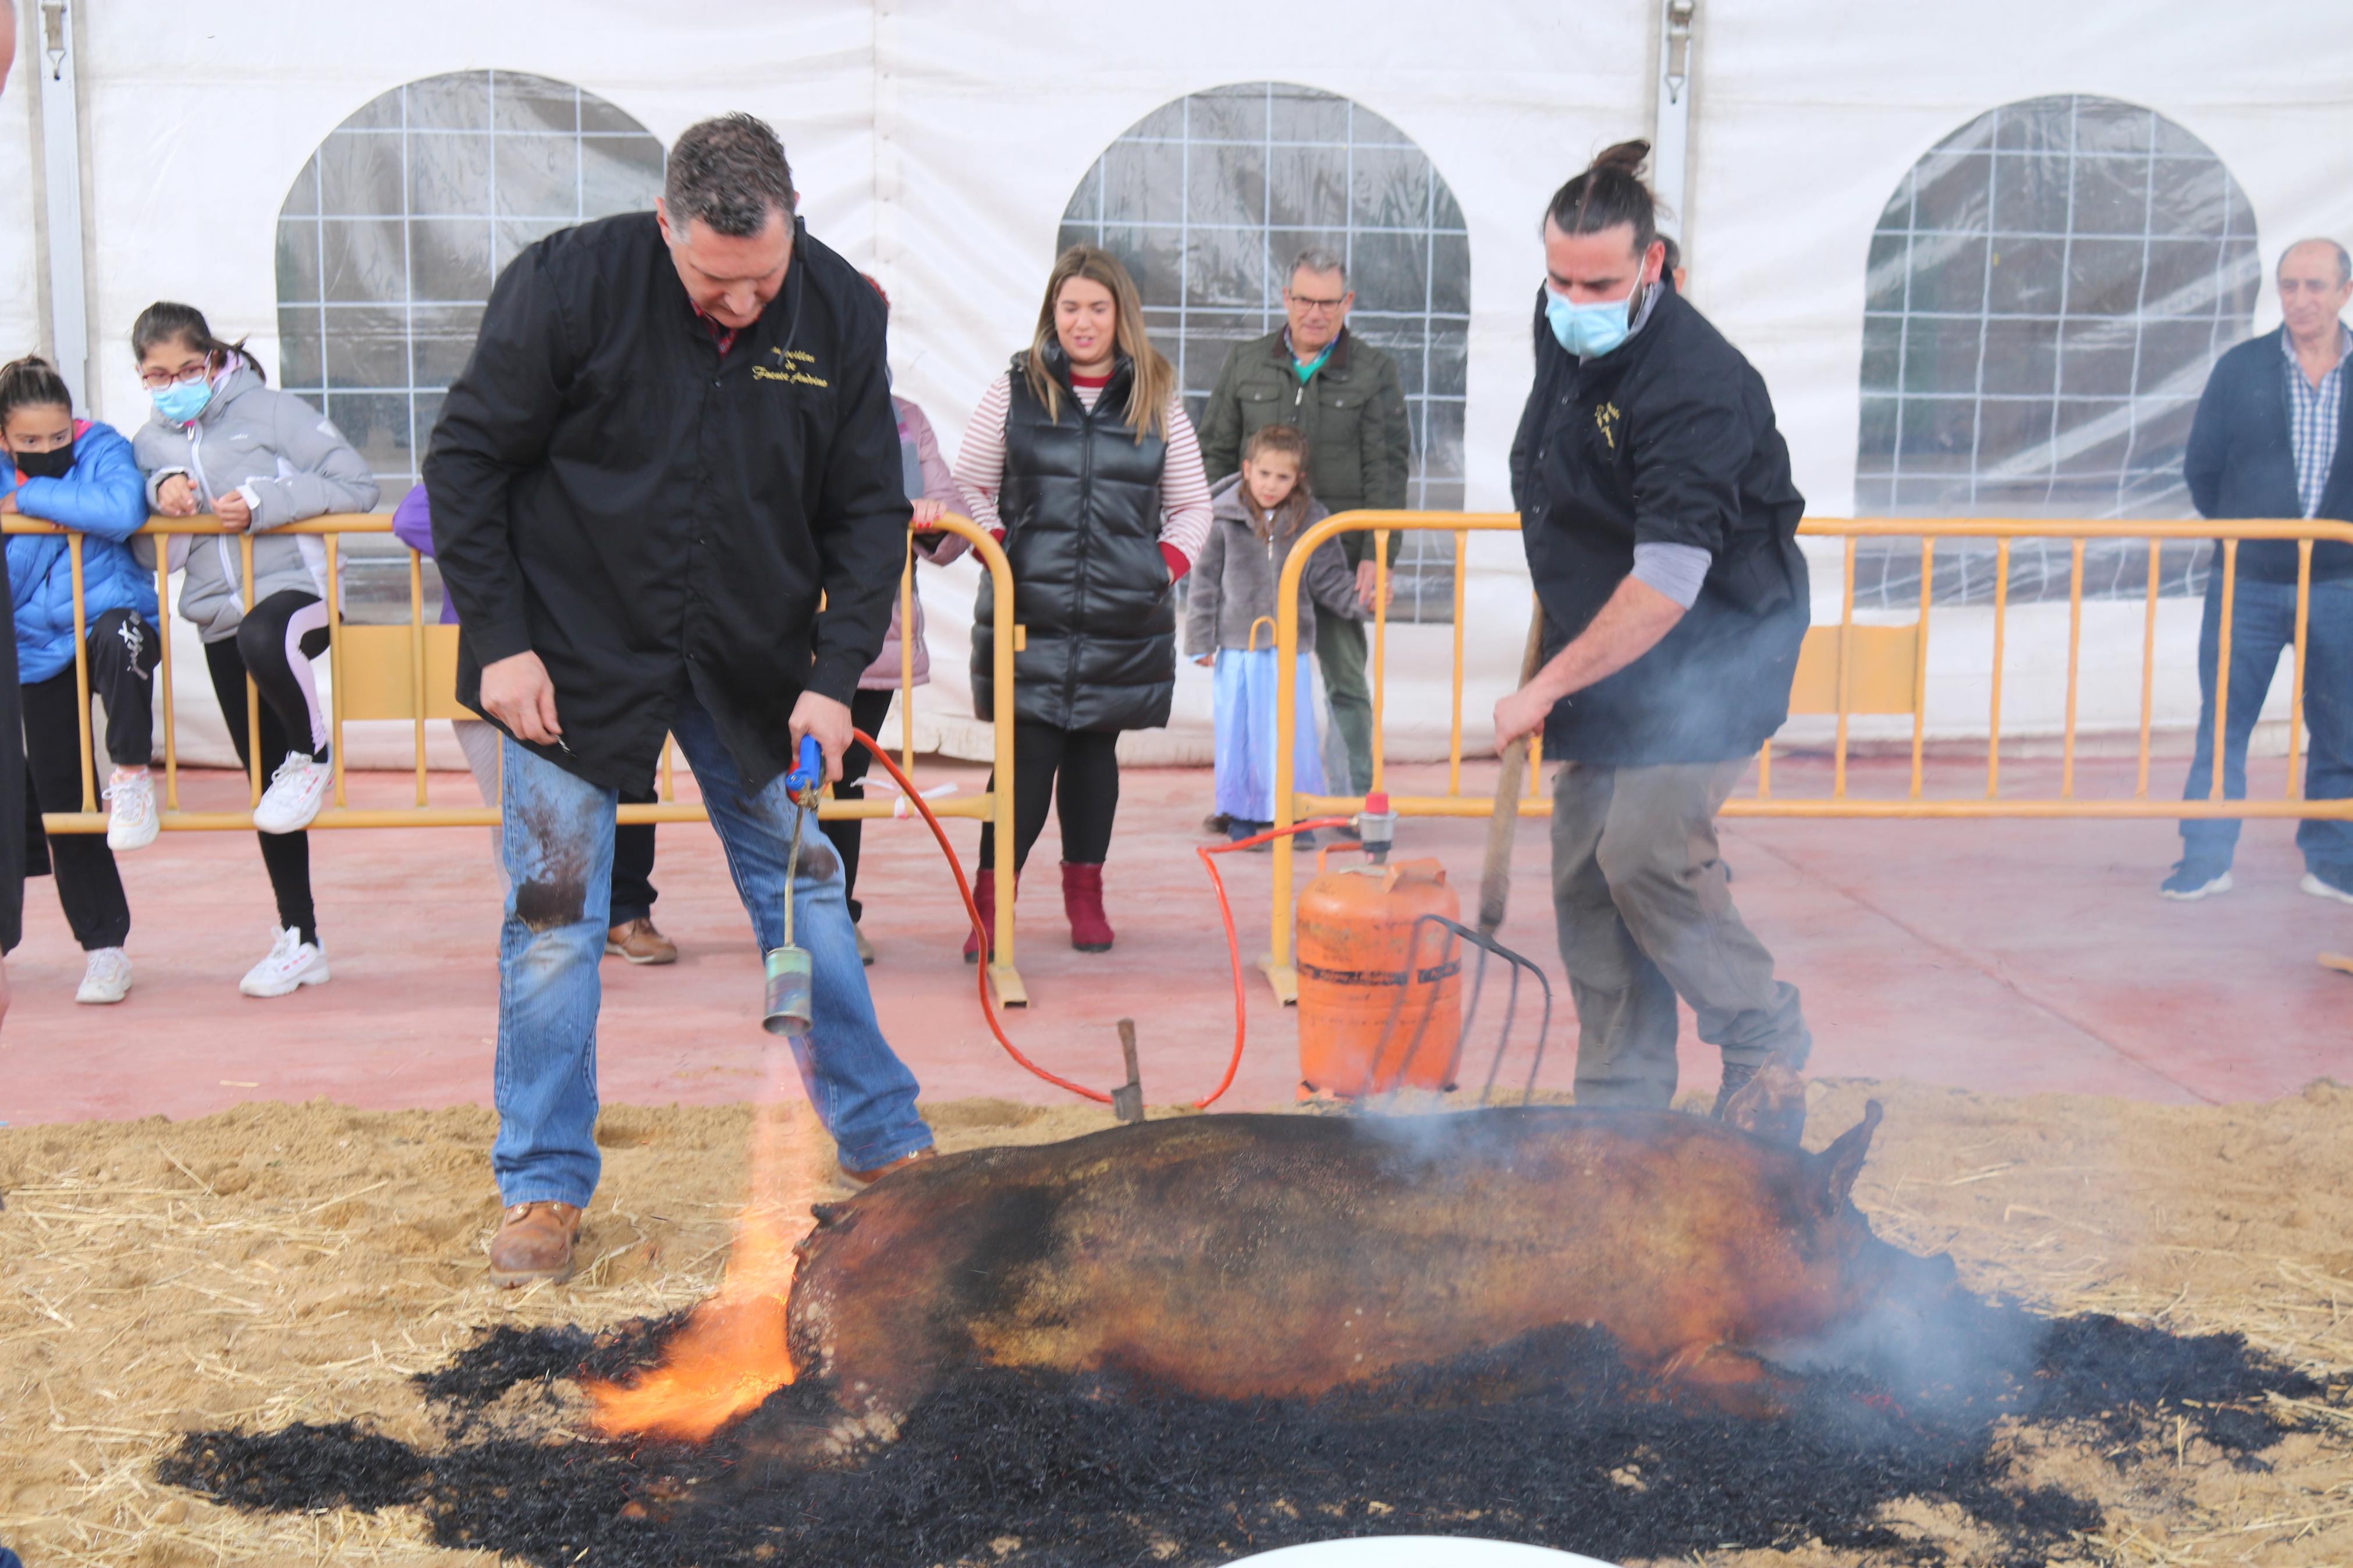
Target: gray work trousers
pixel 1644 908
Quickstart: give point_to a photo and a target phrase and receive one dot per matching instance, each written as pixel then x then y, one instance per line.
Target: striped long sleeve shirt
pixel 1185 506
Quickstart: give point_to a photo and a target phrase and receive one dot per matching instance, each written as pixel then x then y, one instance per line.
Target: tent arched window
pixel 393 231
pixel 2047 288
pixel 1209 198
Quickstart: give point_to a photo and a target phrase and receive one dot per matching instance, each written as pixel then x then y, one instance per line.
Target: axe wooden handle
pixel 1495 876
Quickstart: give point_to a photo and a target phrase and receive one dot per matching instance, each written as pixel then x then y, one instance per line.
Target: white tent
pixel 947 146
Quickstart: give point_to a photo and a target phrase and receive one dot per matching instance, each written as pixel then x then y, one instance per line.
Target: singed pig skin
pixel 1245 1255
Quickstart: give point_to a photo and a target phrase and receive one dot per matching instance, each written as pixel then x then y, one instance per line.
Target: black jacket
pixel 1669 439
pixel 1081 503
pixel 2241 463
pixel 609 493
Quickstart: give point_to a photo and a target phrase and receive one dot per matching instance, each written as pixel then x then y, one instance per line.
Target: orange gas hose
pixel 963 891
pixel 1233 943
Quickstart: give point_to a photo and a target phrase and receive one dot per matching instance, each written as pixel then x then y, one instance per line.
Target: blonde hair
pixel 1277 441
pixel 1154 383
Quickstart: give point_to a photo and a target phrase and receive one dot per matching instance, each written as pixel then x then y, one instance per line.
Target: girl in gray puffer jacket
pixel 1261 513
pixel 223 441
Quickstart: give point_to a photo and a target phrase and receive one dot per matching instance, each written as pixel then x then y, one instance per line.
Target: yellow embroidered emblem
pixel 1605 417
pixel 799 363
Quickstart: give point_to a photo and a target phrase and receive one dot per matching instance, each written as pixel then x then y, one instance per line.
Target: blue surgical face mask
pixel 180 403
pixel 1586 331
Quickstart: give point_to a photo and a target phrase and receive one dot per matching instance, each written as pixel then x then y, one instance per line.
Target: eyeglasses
pixel 157 380
pixel 1311 305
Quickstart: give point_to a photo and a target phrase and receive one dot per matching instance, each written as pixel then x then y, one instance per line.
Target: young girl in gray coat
pixel 1229 623
pixel 223 441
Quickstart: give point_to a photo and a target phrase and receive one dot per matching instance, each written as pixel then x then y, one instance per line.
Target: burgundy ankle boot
pixel 983 897
pixel 1083 901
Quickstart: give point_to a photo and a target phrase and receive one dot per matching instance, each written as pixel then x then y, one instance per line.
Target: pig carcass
pixel 1261 1254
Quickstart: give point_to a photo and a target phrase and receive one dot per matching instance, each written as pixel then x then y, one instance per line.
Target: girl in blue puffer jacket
pixel 80 474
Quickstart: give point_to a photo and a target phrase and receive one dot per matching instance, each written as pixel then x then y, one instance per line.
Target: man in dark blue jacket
pixel 2273 438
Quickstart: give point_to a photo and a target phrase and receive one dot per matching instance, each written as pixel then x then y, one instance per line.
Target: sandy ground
pixel 280 1262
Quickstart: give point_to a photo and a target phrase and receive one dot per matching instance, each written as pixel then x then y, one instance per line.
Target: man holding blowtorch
pixel 673 438
pixel 1659 518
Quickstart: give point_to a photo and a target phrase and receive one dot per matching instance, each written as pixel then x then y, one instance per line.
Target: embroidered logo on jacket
pixel 798 368
pixel 1605 417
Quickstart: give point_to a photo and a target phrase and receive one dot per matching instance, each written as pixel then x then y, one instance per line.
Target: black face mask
pixel 55 465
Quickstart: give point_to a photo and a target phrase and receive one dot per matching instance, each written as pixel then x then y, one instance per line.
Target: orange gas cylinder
pixel 1354 928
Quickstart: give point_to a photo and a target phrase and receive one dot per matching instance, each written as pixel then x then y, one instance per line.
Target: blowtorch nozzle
pixel 1377 827
pixel 787 1008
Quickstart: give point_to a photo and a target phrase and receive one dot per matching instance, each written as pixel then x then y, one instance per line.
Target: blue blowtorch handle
pixel 809 771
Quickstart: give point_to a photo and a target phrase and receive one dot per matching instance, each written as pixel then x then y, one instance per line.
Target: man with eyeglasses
pixel 1346 397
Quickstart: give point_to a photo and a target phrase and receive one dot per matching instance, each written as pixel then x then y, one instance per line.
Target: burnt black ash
pixel 1550 1440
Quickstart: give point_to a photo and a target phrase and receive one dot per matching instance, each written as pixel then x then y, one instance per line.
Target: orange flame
pixel 731 1352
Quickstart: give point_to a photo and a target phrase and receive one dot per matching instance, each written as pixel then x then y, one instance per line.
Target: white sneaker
pixel 296 792
pixel 2320 890
pixel 105 977
pixel 292 963
pixel 131 821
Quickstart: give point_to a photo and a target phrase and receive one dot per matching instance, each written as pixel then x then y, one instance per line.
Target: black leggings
pixel 122 651
pixel 265 631
pixel 276 643
pixel 867 712
pixel 1088 763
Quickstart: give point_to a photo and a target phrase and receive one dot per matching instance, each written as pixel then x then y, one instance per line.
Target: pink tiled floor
pixel 2008 956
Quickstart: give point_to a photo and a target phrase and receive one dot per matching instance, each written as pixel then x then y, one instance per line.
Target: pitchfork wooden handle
pixel 1495 876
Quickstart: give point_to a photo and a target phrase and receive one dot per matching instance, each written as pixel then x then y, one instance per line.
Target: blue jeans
pixel 558 842
pixel 2262 622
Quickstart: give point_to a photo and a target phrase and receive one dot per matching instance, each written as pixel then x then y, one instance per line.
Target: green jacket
pixel 1352 412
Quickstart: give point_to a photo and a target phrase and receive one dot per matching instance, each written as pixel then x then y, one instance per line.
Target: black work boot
pixel 1735 1077
pixel 1769 1101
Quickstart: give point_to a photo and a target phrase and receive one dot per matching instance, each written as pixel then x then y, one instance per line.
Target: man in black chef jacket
pixel 674 441
pixel 1658 518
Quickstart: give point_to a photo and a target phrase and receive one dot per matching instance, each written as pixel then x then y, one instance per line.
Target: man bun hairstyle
pixel 728 173
pixel 32 383
pixel 1609 192
pixel 169 321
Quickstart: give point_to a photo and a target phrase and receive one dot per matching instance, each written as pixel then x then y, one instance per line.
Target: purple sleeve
pixel 412 522
pixel 412 525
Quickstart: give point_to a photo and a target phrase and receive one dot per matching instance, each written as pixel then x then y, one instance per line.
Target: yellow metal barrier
pixel 378 671
pixel 1844 668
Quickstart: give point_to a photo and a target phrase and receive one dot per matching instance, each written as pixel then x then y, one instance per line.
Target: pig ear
pixel 1842 1160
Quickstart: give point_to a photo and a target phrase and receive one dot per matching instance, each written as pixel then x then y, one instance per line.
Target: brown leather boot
pixel 639 943
pixel 534 1246
pixel 1082 902
pixel 868 1178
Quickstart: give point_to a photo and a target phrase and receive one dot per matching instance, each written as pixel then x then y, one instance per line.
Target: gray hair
pixel 1319 261
pixel 729 172
pixel 2344 261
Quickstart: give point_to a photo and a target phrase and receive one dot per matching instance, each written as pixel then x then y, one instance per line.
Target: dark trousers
pixel 1341 650
pixel 1086 764
pixel 2262 627
pixel 867 712
pixel 1644 908
pixel 633 865
pixel 286 855
pixel 121 650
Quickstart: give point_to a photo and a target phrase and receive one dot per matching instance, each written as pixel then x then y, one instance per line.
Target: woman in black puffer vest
pixel 1081 461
